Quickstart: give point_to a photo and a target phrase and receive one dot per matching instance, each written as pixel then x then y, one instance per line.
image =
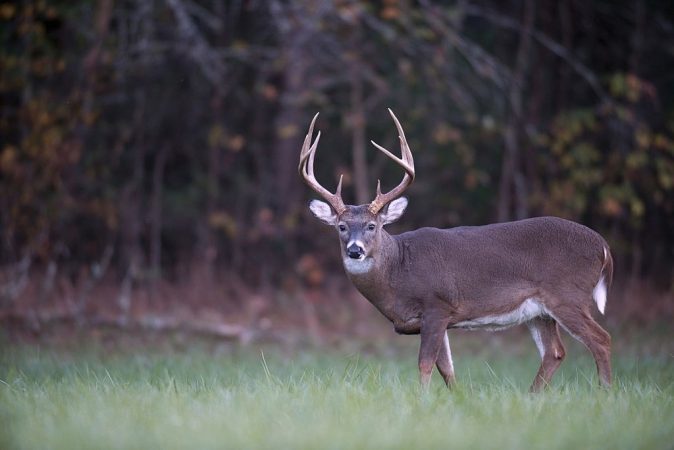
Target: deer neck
pixel 372 276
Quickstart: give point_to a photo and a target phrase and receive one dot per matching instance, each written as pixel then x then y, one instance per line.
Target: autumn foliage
pixel 150 143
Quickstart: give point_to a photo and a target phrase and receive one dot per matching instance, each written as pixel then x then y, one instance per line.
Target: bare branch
pixel 552 45
pixel 484 64
pixel 208 18
pixel 206 58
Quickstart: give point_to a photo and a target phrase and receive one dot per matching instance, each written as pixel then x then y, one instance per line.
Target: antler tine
pixel 406 162
pixel 306 147
pixel 306 169
pixel 401 162
pixel 406 152
pixel 311 155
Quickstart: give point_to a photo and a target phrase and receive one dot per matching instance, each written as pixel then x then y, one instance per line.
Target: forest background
pixel 149 149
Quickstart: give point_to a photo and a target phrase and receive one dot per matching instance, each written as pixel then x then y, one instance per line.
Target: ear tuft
pixel 323 212
pixel 394 210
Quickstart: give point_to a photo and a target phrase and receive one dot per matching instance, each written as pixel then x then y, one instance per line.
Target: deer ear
pixel 323 212
pixel 394 210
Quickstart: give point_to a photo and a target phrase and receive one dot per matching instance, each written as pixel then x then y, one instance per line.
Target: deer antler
pixel 306 169
pixel 406 162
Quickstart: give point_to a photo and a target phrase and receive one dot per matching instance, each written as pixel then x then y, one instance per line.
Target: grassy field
pixel 251 398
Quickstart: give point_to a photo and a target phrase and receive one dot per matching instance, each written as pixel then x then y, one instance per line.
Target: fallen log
pixel 154 323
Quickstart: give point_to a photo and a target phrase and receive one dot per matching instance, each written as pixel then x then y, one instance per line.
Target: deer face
pixel 358 228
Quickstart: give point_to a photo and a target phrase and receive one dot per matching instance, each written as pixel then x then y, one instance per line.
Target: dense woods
pixel 150 142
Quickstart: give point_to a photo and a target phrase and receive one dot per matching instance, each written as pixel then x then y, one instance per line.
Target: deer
pixel 545 272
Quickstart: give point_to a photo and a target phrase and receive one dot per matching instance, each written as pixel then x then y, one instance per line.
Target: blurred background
pixel 149 150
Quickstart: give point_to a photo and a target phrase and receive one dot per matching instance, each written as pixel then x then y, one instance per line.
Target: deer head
pixel 359 227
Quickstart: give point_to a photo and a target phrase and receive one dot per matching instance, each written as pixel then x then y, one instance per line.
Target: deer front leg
pixel 433 332
pixel 546 335
pixel 444 362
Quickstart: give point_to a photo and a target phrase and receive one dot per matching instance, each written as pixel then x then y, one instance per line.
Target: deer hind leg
pixel 545 332
pixel 444 363
pixel 580 324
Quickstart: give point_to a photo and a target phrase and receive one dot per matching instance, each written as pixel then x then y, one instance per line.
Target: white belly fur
pixel 528 309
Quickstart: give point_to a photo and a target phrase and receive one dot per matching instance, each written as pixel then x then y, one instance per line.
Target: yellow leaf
pixel 216 136
pixel 637 207
pixel 444 134
pixel 390 13
pixel 270 92
pixel 220 220
pixel 643 138
pixel 7 11
pixel 236 143
pixel 287 131
pixel 8 158
pixel 611 207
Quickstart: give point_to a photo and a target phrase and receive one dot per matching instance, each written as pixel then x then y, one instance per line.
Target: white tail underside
pixel 599 291
pixel 599 294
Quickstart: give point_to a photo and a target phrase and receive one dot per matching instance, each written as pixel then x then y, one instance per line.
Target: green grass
pixel 315 399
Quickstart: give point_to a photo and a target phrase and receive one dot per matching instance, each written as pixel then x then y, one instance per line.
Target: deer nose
pixel 355 251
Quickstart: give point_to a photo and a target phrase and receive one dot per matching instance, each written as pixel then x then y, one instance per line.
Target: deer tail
pixel 600 290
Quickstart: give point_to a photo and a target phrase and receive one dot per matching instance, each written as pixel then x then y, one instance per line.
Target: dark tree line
pixel 151 138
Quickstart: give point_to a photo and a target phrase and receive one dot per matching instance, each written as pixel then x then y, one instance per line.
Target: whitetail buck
pixel 543 272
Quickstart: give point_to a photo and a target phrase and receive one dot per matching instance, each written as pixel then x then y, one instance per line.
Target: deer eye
pixel 371 227
pixel 342 227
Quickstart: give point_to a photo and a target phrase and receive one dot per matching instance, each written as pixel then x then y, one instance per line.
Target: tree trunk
pixel 156 211
pixel 131 216
pixel 360 171
pixel 288 135
pixel 513 186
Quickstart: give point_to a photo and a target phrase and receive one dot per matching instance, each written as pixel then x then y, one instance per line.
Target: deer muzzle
pixel 355 251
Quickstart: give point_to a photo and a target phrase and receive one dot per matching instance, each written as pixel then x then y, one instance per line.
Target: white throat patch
pixel 358 266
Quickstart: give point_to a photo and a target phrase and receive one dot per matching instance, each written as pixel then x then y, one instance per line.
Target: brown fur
pixel 425 281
